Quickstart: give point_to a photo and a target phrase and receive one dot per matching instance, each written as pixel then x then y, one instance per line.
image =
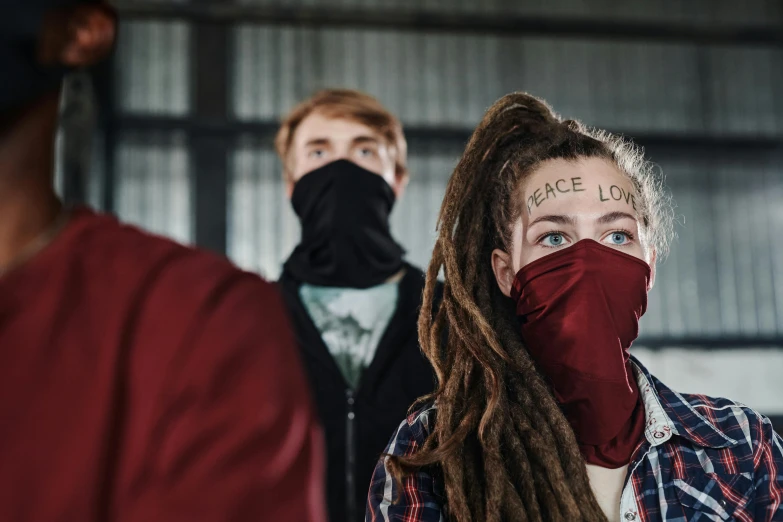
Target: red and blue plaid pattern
pixel 702 459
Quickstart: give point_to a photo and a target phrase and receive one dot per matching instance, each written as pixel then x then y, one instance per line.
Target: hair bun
pixel 518 116
pixel 525 107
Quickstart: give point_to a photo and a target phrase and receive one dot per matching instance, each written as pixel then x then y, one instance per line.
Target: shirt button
pixel 630 515
pixel 723 503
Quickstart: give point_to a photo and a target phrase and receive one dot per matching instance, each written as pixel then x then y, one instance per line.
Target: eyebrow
pixel 562 219
pixel 360 140
pixel 611 217
pixel 317 141
pixel 559 219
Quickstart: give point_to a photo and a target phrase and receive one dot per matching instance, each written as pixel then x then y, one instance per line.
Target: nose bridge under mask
pixel 586 255
pixel 579 309
pixel 346 239
pixel 342 183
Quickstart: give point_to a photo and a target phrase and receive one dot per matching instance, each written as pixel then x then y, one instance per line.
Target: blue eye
pixel 553 240
pixel 618 238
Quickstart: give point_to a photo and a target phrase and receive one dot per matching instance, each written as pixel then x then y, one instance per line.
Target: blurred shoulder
pixel 147 265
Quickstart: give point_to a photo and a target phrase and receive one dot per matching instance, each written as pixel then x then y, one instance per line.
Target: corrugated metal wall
pixel 153 175
pixel 725 274
pixel 153 183
pixel 762 12
pixel 443 79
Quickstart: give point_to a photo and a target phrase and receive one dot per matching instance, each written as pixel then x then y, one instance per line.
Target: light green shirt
pixel 351 321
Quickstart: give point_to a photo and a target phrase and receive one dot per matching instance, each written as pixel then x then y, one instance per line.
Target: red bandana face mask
pixel 579 310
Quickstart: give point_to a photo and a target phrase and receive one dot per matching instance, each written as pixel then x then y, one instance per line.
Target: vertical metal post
pixel 77 123
pixel 105 85
pixel 210 66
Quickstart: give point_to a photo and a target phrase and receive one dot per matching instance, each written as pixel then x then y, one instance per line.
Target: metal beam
pixel 418 133
pixel 442 21
pixel 105 91
pixel 77 124
pixel 710 342
pixel 209 151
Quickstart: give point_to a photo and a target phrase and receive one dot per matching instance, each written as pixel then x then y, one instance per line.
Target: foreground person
pixel 548 237
pixel 141 381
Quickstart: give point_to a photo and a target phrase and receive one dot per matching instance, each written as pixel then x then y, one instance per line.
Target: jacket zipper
pixel 350 456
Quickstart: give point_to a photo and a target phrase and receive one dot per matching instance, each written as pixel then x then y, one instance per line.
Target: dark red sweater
pixel 144 381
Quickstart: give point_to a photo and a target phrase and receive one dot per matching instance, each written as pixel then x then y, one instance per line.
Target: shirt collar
pixel 668 413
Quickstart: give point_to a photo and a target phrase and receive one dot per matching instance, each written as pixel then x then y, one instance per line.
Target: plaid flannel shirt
pixel 701 459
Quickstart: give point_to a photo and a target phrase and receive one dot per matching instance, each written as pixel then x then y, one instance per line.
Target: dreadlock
pixel 505 450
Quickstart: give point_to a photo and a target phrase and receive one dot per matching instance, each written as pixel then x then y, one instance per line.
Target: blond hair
pixel 349 105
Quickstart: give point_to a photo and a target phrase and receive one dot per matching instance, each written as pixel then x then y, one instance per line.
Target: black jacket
pixel 359 423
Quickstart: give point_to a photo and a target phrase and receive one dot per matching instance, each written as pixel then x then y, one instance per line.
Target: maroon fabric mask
pixel 579 309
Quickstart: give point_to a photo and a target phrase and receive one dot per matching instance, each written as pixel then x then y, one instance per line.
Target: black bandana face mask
pixel 346 242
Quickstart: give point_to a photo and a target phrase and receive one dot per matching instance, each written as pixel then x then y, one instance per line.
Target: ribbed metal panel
pixel 424 79
pixel 153 72
pixel 449 80
pixel 153 188
pixel 415 216
pixel 262 227
pixel 95 176
pixel 728 12
pixel 724 275
pixel 744 90
pixel 651 87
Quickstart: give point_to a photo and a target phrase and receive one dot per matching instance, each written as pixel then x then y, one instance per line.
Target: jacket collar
pixel 668 414
pixel 399 332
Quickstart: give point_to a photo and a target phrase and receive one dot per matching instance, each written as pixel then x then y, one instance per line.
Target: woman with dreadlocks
pixel 547 238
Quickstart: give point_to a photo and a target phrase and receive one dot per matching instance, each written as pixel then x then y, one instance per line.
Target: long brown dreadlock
pixel 505 450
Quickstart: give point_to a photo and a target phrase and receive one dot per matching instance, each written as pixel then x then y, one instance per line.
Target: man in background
pixel 353 299
pixel 141 381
